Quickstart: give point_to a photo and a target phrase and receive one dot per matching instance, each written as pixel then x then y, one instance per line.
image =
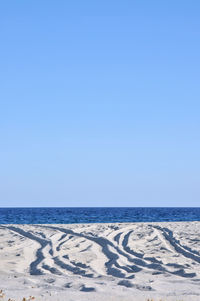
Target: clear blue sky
pixel 99 103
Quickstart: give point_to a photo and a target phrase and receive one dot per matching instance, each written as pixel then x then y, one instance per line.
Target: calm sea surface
pixel 95 215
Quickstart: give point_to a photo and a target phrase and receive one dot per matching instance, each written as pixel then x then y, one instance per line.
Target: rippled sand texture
pixel 96 261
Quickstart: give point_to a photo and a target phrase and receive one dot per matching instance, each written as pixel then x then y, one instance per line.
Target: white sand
pixel 119 262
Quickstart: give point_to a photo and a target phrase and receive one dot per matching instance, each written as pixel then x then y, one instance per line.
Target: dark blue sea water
pixel 95 215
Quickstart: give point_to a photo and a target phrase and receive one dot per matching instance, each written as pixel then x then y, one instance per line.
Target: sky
pixel 99 103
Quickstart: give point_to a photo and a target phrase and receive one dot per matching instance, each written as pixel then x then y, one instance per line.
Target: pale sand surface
pixel 119 262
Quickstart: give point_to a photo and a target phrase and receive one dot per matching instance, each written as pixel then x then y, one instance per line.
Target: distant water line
pixel 96 215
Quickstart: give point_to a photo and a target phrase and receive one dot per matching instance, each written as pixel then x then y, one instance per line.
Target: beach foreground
pixel 119 262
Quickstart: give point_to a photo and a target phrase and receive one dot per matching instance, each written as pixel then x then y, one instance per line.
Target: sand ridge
pixel 90 261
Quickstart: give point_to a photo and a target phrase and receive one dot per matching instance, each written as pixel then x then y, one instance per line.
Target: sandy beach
pixel 127 261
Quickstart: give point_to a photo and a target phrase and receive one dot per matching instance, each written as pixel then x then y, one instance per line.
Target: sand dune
pixel 96 261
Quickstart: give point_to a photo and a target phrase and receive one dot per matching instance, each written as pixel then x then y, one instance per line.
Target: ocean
pixel 96 215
